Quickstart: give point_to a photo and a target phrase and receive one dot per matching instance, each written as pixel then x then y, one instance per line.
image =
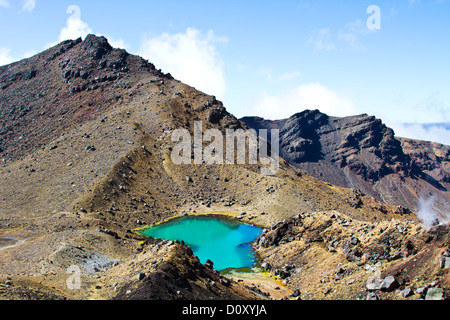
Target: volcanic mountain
pixel 85 149
pixel 360 152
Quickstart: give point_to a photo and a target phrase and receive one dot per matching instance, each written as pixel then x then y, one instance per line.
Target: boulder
pixel 97 47
pixel 265 266
pixel 141 276
pixel 354 241
pixel 389 284
pixel 283 273
pixel 422 291
pixel 444 262
pixel 406 292
pixel 373 283
pixel 372 296
pixel 209 263
pixel 434 294
pixel 340 269
pixel 217 114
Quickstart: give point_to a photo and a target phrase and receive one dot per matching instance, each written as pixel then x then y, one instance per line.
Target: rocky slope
pixel 73 118
pixel 85 146
pixel 361 152
pixel 329 255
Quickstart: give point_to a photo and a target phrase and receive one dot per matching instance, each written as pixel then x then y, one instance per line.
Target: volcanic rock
pixel 361 152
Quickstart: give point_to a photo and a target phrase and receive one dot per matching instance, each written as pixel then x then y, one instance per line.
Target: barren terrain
pixel 85 148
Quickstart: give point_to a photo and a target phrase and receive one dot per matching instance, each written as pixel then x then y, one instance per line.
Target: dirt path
pixel 6 243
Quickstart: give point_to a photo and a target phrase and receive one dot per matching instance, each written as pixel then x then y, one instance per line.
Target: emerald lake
pixel 224 241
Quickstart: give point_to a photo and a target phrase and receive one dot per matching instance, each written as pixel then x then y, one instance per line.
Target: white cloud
pixel 321 40
pixel 350 38
pixel 308 96
pixel 325 39
pixel 352 33
pixel 436 133
pixel 29 53
pixel 5 58
pixel 289 75
pixel 116 43
pixel 75 27
pixel 29 5
pixel 190 57
pixel 267 72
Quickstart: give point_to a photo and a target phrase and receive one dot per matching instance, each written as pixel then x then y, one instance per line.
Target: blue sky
pixel 270 58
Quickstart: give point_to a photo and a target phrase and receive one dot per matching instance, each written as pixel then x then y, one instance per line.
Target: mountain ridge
pixel 361 152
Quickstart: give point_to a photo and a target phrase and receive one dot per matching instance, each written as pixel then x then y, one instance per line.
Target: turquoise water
pixel 223 241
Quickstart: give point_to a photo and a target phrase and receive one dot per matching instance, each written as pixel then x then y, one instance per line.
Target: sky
pixel 390 59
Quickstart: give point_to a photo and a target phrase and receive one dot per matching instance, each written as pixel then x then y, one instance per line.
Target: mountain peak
pixel 97 46
pixel 51 91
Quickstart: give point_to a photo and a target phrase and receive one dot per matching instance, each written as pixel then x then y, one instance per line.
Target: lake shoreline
pixel 227 214
pixel 228 242
pixel 253 275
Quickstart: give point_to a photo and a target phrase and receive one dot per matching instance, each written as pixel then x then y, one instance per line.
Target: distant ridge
pixel 361 152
